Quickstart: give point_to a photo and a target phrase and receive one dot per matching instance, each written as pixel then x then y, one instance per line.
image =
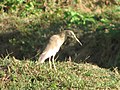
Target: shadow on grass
pixel 101 48
pixel 26 44
pixel 98 48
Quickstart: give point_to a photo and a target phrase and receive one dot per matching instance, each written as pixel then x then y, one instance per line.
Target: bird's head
pixel 70 33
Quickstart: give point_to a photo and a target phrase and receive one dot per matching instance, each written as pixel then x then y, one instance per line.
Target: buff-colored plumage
pixel 54 45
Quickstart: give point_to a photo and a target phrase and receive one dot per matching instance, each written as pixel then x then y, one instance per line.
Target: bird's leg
pixel 50 63
pixel 54 63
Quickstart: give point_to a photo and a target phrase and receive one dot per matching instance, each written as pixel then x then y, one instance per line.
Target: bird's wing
pixel 51 49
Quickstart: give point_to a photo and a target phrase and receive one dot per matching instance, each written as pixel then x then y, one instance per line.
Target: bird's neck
pixel 63 35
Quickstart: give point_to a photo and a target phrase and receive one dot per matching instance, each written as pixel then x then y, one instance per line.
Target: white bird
pixel 54 45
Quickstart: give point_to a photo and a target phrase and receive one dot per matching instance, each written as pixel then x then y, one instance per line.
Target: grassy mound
pixel 15 74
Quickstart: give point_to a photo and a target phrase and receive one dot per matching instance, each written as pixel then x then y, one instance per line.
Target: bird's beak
pixel 76 39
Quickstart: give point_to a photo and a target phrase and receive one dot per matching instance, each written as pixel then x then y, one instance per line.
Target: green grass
pixel 26 74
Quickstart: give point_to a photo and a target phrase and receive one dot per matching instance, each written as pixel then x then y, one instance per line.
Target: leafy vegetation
pixel 25 27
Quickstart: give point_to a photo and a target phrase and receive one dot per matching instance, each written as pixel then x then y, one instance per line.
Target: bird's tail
pixel 42 58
